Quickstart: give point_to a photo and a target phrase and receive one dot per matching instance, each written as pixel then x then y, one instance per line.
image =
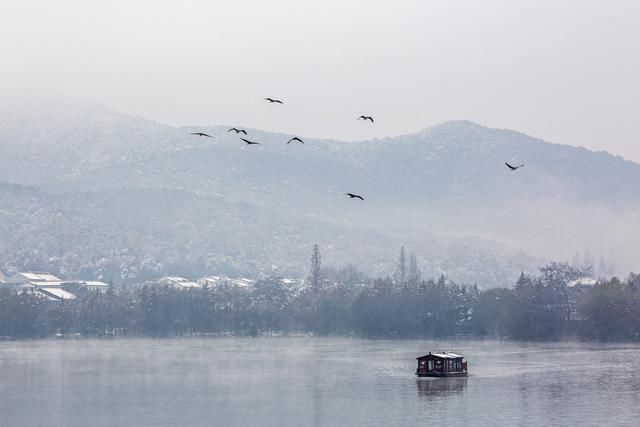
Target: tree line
pixel 554 304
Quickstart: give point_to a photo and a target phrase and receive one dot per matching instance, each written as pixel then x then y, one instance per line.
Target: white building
pixel 40 289
pixel 243 282
pixel 212 281
pixel 31 276
pixel 34 278
pixel 583 281
pixel 215 281
pixel 55 294
pixel 177 282
pixel 88 285
pixel 94 286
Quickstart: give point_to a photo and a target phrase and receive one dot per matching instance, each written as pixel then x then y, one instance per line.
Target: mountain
pixel 131 235
pixel 443 192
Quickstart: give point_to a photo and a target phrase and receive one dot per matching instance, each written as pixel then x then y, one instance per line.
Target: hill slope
pixel 448 180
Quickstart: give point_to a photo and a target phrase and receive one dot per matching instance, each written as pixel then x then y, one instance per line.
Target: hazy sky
pixel 567 71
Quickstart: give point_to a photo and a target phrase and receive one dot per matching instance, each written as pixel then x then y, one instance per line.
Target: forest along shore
pixel 554 305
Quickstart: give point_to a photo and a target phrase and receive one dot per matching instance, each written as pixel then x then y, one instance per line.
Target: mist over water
pixel 129 210
pixel 312 381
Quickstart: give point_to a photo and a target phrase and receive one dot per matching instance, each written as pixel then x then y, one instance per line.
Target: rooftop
pixel 178 282
pixel 176 278
pixel 58 293
pixel 38 277
pixel 443 355
pixel 48 283
pixel 583 281
pixel 93 283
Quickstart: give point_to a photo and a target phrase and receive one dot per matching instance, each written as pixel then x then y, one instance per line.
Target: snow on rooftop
pixel 583 281
pixel 211 280
pixel 39 277
pixel 189 285
pixel 58 293
pixel 48 284
pixel 242 282
pixel 447 355
pixel 27 286
pixel 176 279
pixel 178 282
pixel 93 283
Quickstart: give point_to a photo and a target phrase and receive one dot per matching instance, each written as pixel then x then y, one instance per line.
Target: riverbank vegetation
pixel 552 305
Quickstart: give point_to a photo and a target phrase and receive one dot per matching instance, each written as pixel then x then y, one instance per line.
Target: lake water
pixel 313 382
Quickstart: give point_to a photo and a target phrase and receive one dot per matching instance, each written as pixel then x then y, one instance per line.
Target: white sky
pixel 567 71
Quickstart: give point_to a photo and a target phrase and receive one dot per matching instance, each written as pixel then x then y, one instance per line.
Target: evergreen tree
pixel 401 271
pixel 316 269
pixel 414 271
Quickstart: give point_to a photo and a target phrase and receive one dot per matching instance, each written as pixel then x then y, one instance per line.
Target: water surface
pixel 312 381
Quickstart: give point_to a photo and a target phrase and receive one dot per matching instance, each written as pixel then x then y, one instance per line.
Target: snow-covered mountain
pixel 443 192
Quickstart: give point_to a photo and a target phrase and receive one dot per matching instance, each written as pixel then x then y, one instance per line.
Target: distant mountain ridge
pixel 447 180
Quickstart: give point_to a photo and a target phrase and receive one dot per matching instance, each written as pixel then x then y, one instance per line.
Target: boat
pixel 441 365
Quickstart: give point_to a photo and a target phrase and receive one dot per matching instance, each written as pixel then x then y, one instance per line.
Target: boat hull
pixel 442 374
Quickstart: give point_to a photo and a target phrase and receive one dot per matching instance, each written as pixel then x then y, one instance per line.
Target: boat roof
pixel 443 355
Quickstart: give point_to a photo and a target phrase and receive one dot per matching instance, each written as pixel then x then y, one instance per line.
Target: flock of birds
pixel 296 139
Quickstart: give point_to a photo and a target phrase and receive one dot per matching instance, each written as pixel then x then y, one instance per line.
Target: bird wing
pixel 509 166
pixel 242 131
pixel 360 197
pixel 233 129
pixel 370 118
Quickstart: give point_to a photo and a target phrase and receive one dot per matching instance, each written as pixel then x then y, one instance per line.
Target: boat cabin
pixel 443 364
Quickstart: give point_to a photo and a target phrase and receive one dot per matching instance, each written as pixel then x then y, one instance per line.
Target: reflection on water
pixel 312 382
pixel 436 388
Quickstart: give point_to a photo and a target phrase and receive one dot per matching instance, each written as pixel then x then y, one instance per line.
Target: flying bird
pixel 295 138
pixel 237 130
pixel 201 134
pixel 250 142
pixel 271 100
pixel 513 167
pixel 353 196
pixel 365 118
